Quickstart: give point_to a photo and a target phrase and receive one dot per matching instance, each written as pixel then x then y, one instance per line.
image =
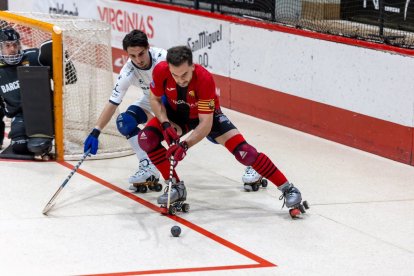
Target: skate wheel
pixel 305 204
pixel 172 210
pixel 264 183
pixel 255 187
pixel 247 187
pixel 294 213
pixel 302 209
pixel 158 187
pixel 185 207
pixel 142 189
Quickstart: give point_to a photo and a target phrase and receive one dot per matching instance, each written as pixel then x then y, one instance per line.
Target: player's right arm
pixel 159 76
pixel 106 115
pixel 122 84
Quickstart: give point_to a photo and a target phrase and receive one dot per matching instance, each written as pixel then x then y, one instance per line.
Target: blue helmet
pixel 10 35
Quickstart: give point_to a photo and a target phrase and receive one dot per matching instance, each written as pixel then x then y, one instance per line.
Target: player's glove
pixel 92 141
pixel 169 133
pixel 178 151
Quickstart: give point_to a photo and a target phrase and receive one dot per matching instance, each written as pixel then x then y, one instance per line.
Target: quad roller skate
pixel 252 180
pixel 178 195
pixel 146 178
pixel 292 198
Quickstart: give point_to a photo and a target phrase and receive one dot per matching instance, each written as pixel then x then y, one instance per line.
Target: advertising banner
pixel 208 38
pixel 392 14
pixel 85 9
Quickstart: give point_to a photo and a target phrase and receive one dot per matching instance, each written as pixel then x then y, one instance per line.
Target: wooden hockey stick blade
pixel 47 208
pixel 50 204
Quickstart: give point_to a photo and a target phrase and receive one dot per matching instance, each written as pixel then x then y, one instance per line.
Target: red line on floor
pixel 178 270
pixel 260 261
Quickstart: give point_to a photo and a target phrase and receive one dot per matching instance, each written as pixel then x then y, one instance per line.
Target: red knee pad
pixel 149 139
pixel 244 152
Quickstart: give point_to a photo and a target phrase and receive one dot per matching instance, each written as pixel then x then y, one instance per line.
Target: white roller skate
pixel 177 197
pixel 253 180
pixel 292 198
pixel 147 177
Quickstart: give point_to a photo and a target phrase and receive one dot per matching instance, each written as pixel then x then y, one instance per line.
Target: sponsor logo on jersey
pixel 211 104
pixel 10 86
pixel 191 93
pixel 191 105
pixel 206 105
pixel 170 89
pixel 115 92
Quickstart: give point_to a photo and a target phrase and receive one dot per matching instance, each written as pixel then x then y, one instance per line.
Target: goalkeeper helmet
pixel 10 47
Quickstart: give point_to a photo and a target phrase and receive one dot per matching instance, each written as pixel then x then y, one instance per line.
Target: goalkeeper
pixel 12 56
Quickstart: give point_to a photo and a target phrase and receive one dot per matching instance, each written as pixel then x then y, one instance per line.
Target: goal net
pixel 86 44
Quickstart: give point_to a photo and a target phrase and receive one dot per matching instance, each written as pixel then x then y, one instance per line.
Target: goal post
pixel 86 44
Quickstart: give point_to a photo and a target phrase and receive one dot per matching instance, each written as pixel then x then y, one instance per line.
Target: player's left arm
pixel 206 93
pixel 158 108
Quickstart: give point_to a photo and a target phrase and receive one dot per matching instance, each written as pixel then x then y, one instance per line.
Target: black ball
pixel 175 231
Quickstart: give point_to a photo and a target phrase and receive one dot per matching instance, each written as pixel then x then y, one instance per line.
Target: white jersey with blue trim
pixel 132 75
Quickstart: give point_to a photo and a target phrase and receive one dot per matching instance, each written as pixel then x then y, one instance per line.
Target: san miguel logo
pixel 205 40
pixel 126 21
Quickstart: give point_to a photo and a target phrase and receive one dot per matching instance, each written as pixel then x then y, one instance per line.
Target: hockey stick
pixel 50 204
pixel 170 182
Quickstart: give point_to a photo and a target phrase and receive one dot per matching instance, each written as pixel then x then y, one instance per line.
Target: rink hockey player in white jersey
pixel 138 72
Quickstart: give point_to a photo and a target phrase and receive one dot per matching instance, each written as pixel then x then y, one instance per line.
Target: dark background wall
pixel 3 4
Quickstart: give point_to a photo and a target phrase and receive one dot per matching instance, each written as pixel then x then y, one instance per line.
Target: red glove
pixel 178 151
pixel 169 133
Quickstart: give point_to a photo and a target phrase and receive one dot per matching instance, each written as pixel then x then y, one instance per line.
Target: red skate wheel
pixel 294 213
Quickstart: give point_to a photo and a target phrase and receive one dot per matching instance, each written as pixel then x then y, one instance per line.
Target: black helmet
pixel 10 34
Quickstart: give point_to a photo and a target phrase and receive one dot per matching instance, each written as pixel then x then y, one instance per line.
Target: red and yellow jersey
pixel 199 97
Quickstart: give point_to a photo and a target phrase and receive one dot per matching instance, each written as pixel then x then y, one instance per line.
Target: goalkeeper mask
pixel 10 47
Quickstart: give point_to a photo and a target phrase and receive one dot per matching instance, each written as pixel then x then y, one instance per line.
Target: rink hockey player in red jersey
pixel 183 99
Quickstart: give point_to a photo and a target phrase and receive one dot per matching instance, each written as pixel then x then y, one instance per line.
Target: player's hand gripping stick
pixel 92 142
pixel 177 151
pixel 169 133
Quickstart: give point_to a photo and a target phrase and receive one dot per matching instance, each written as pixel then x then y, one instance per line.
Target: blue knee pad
pixel 128 121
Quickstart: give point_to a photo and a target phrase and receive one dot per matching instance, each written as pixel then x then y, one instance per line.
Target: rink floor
pixel 361 220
